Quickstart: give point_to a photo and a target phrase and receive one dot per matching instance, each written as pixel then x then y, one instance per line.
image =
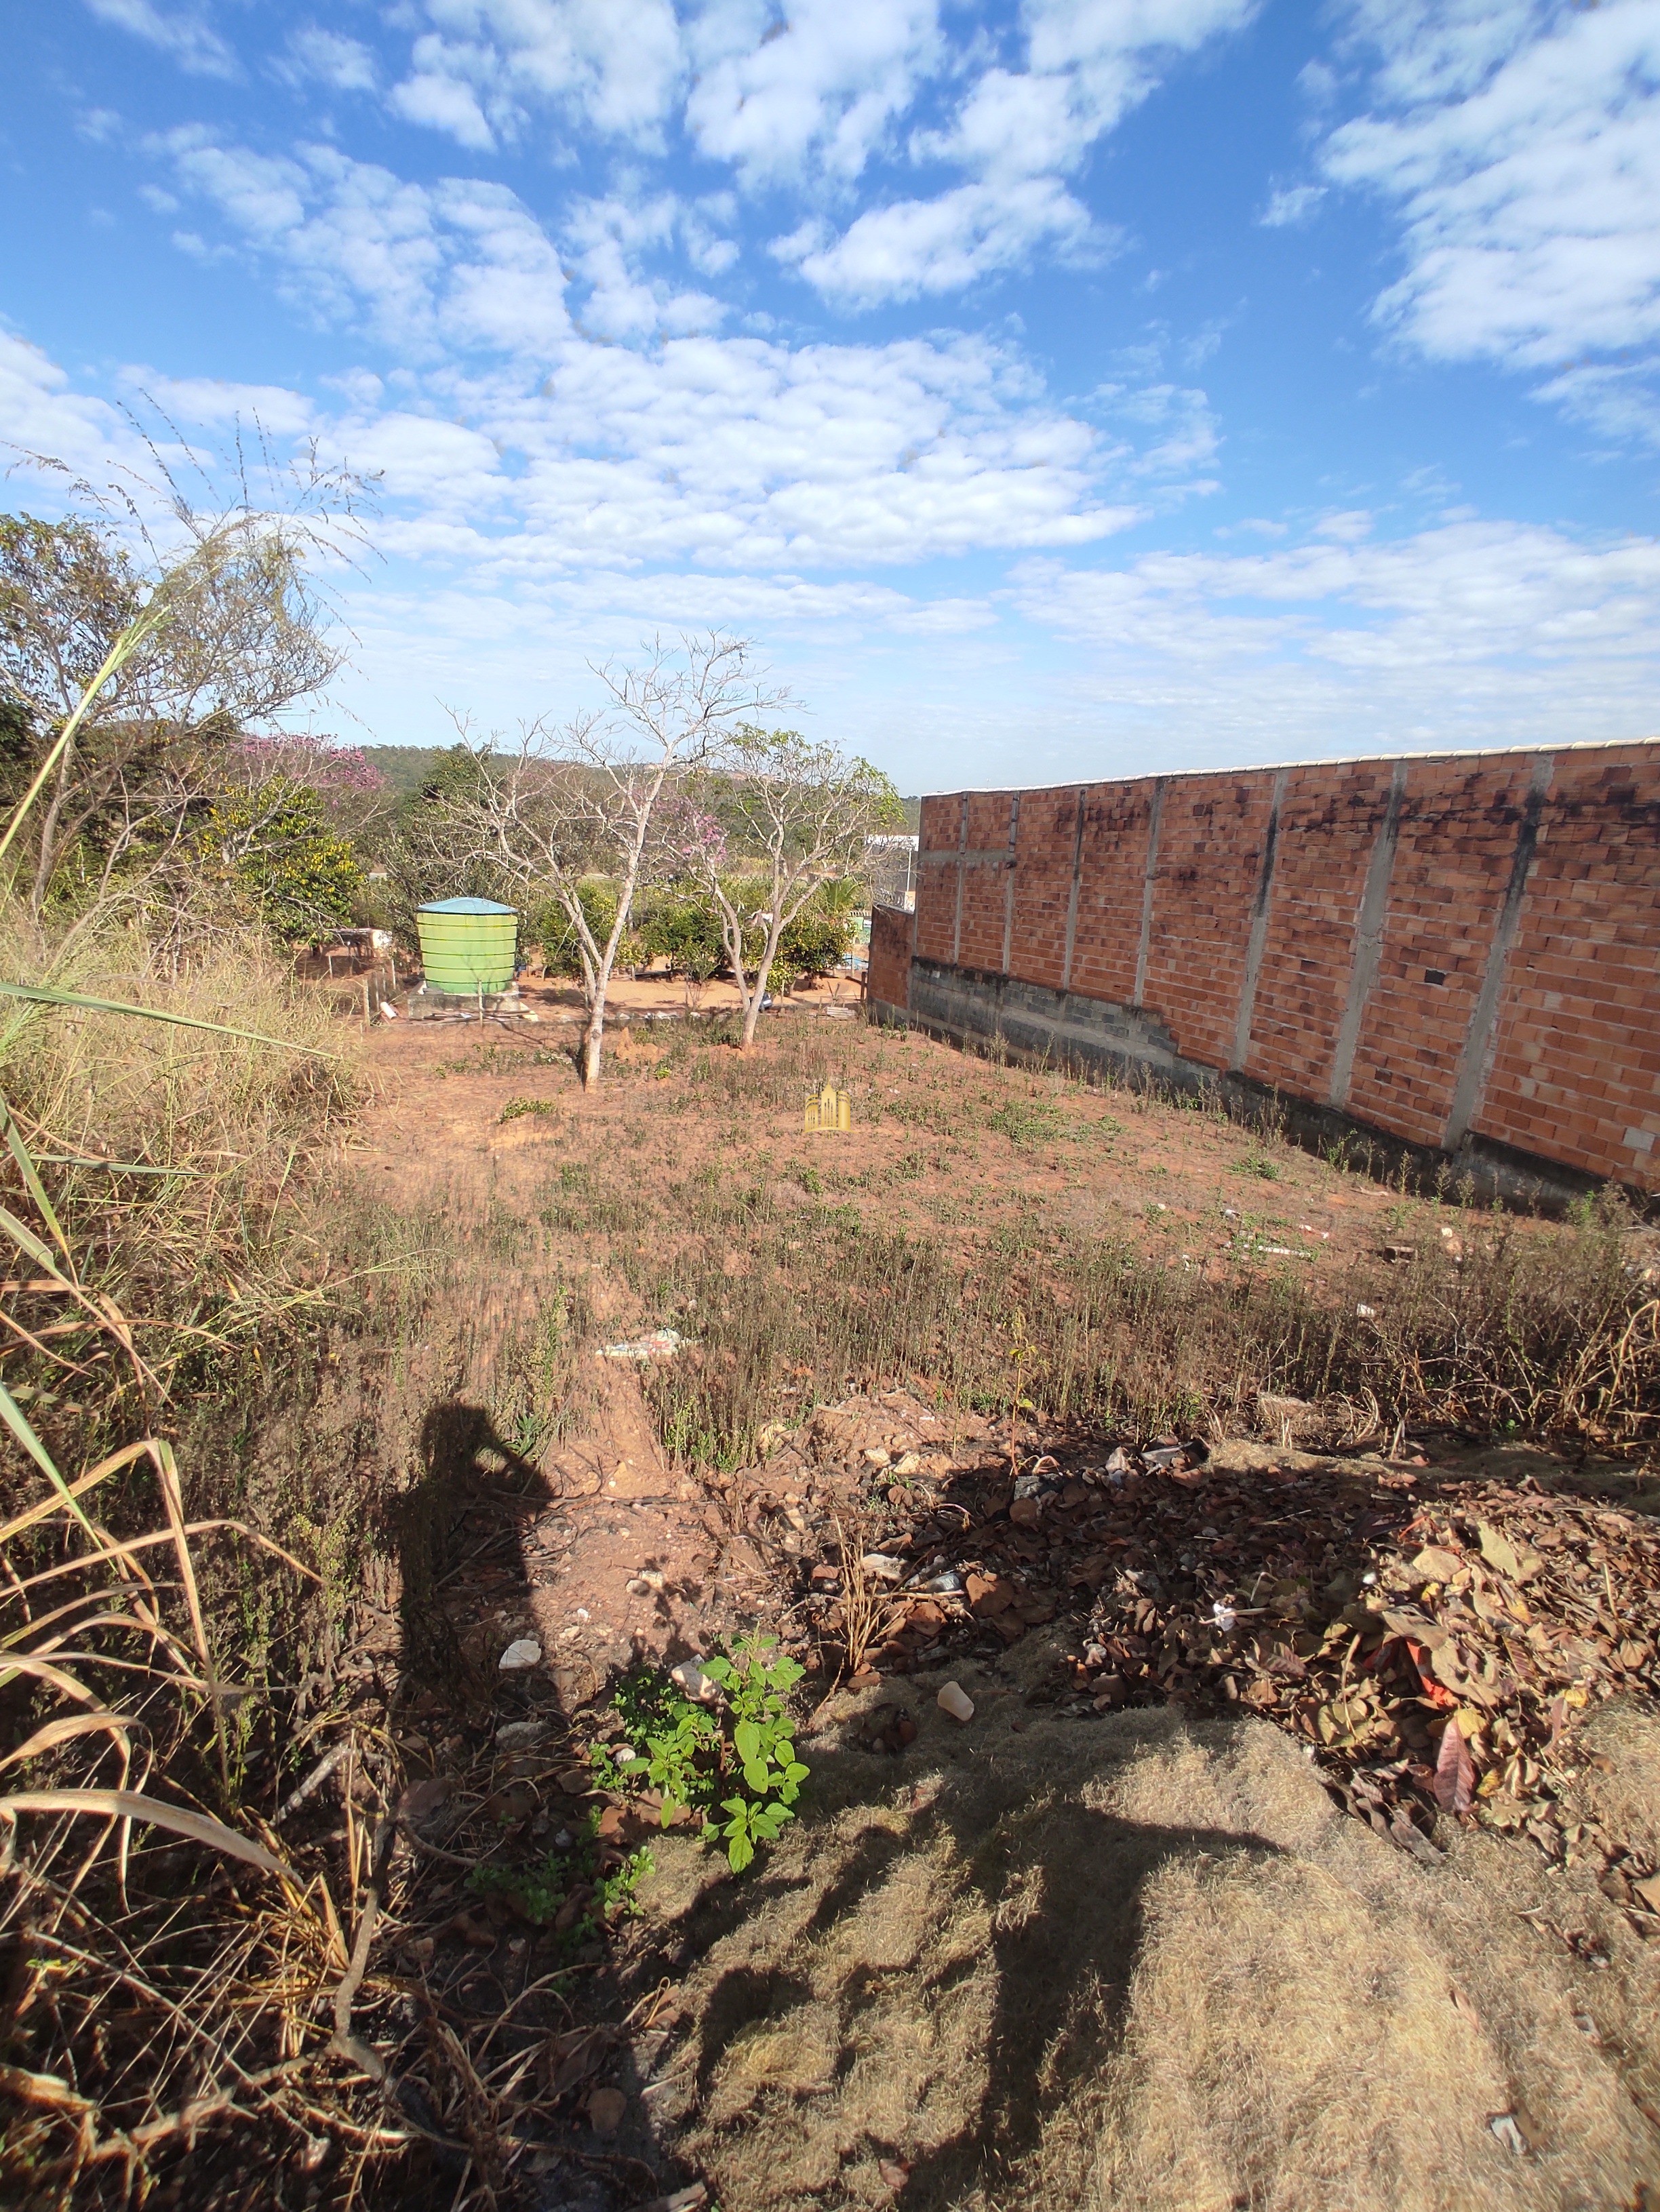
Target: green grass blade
pixel 20 1153
pixel 42 994
pixel 17 1421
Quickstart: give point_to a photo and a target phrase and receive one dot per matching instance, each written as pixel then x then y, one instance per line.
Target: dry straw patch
pixel 1143 1964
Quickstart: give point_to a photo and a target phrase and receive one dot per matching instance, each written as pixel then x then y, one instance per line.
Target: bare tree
pixel 587 801
pixel 778 814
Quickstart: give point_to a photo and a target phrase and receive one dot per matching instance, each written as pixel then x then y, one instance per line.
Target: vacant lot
pixel 1226 1479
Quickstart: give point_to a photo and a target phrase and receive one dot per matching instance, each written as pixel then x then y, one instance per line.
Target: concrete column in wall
pixel 962 848
pixel 1008 887
pixel 1259 927
pixel 1149 876
pixel 1072 895
pixel 1368 939
pixel 1475 1061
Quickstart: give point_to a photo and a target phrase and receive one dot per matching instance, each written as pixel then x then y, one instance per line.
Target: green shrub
pixel 691 1754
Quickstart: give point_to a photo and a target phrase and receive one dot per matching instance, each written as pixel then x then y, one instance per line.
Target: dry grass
pixel 801 1284
pixel 1142 1964
pixel 1542 1333
pixel 203 1228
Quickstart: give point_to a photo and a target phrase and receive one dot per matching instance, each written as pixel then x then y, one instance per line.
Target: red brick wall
pixel 1112 864
pixel 1042 885
pixel 1576 1072
pixel 936 877
pixel 887 979
pixel 1330 819
pixel 1521 997
pixel 1210 861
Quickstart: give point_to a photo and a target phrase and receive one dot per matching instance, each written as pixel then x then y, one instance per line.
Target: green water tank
pixel 468 945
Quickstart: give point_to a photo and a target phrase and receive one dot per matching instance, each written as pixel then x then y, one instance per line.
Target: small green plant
pixel 544 1891
pixel 1026 1122
pixel 810 1182
pixel 516 1108
pixel 690 1753
pixel 1254 1165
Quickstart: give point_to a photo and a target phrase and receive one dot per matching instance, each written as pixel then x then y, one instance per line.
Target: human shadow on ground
pixel 515 2023
pixel 1065 1889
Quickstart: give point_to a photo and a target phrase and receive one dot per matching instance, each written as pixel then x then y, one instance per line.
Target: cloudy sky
pixel 1072 387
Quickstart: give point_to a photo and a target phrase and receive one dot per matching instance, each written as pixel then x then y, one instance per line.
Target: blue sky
pixel 1076 388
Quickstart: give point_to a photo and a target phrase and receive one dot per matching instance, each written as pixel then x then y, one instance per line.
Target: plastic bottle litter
pixel 955 1701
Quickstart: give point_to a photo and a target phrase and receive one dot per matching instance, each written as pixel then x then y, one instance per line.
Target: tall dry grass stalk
pixel 179 1156
pixel 164 1956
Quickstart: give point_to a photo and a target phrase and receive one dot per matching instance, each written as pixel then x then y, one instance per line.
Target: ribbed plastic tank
pixel 467 944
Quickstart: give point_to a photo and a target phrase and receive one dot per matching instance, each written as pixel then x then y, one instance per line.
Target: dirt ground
pixel 1065 1953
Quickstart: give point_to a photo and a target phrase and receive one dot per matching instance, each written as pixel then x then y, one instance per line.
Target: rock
pixel 882 1566
pixel 523 1651
pixel 607 2110
pixel 519 1736
pixel 955 1701
pixel 877 1457
pixel 696 1684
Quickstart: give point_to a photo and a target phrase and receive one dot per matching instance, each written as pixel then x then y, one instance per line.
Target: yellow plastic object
pixel 830 1111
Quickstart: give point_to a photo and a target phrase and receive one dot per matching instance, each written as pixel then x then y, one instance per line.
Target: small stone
pixel 694 1682
pixel 519 1736
pixel 523 1651
pixel 882 1566
pixel 877 1457
pixel 607 2110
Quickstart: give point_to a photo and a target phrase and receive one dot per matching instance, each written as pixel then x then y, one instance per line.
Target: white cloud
pixel 439 97
pixel 940 245
pixel 1011 124
pixel 1521 143
pixel 459 265
pixel 209 404
pixel 487 66
pixel 727 450
pixel 610 238
pixel 326 57
pixel 1115 50
pixel 1472 633
pixel 185 34
pixel 819 89
pixel 1016 133
pixel 1290 205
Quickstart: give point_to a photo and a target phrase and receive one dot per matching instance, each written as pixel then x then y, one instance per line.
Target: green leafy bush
pixel 738 1761
pixel 684 933
pixel 278 844
pixel 562 949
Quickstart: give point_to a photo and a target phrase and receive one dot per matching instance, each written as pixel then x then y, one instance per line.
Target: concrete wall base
pixel 1028 1022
